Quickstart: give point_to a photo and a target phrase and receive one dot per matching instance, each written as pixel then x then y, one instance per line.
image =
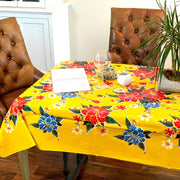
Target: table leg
pixel 66 170
pixel 24 164
pixel 80 162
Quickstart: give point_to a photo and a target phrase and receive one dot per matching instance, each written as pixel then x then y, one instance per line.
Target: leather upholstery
pixel 127 32
pixel 16 70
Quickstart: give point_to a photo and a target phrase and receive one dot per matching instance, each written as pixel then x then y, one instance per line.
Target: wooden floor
pixel 49 166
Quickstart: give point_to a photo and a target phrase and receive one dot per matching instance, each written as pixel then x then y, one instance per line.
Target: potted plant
pixel 166 41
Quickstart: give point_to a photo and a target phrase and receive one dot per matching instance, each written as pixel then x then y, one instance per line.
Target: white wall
pixel 90 24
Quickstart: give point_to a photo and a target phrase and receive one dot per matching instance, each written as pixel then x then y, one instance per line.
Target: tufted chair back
pixel 16 70
pixel 127 32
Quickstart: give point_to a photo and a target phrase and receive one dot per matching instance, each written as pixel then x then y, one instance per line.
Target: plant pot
pixel 168 85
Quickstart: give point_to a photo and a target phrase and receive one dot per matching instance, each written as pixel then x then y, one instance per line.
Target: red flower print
pixel 96 101
pixel 153 95
pixel 40 97
pixel 143 83
pixel 89 68
pixel 169 132
pixel 99 95
pixel 135 96
pixel 108 83
pixel 168 102
pixel 95 114
pixel 143 72
pixel 177 124
pixel 47 88
pixel 121 107
pixel 132 86
pixel 77 118
pixel 17 105
pixel 74 65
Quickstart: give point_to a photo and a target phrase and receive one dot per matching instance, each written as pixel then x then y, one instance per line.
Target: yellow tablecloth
pixel 134 123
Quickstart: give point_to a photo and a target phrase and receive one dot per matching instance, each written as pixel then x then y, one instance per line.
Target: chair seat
pixel 17 73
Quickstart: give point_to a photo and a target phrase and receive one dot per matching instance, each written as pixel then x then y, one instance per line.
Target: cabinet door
pixel 37 40
pixel 9 3
pixel 31 3
pixel 23 3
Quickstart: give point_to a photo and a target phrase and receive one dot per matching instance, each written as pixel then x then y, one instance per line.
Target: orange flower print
pixel 95 114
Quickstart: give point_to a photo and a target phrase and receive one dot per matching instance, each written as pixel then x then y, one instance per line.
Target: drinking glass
pixel 101 61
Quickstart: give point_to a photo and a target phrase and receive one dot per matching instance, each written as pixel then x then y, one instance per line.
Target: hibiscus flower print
pixel 17 105
pixel 134 97
pixel 177 123
pixel 95 114
pixel 47 88
pixel 134 135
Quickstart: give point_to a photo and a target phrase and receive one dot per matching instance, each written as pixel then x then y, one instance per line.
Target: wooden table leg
pixel 24 164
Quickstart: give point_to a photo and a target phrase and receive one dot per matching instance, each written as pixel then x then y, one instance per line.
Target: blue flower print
pixel 47 123
pixel 68 95
pixel 134 135
pixel 151 105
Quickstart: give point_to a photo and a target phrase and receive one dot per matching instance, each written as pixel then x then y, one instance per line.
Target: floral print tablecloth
pixel 135 122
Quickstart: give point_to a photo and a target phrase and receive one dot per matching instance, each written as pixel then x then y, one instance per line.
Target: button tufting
pixel 5 71
pixel 120 29
pixel 118 51
pixel 146 18
pixel 8 57
pixel 151 32
pixel 136 31
pixel 126 41
pixel 19 66
pixel 13 43
pixel 130 17
pixel 1 32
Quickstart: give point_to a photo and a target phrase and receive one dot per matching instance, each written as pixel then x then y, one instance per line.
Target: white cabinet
pixel 30 3
pixel 45 31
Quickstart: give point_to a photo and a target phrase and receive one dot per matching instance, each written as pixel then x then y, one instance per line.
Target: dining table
pixel 134 122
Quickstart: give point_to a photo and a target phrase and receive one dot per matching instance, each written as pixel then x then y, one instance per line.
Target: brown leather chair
pixel 127 32
pixel 16 70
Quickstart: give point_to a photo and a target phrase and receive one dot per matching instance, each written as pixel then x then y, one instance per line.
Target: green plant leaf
pixel 38 87
pixel 114 96
pixel 121 137
pixel 147 132
pixel 111 120
pixel 89 126
pixel 130 90
pixel 142 146
pixel 13 118
pixel 55 133
pixel 58 119
pixel 84 106
pixel 41 110
pixel 27 97
pixel 107 107
pixel 27 108
pixel 142 88
pixel 128 123
pixel 35 125
pixel 175 117
pixel 167 123
pixel 76 111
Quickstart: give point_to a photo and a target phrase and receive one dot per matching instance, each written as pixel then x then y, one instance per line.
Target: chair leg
pixel 24 164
